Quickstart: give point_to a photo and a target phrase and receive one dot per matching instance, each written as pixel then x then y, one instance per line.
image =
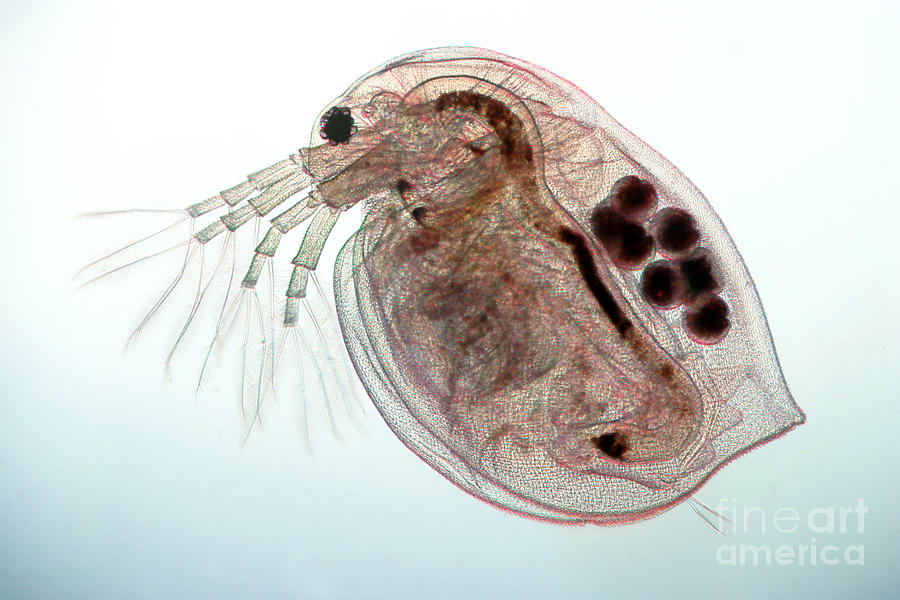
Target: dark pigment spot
pixel 613 444
pixel 592 278
pixel 633 198
pixel 666 372
pixel 337 126
pixel 418 213
pixel 403 186
pixel 675 232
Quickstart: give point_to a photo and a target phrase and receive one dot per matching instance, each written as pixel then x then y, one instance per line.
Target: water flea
pixel 493 292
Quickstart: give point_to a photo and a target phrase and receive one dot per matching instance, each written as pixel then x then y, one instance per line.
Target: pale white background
pixel 116 484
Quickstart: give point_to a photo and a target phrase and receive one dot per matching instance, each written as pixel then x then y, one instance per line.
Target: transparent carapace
pixel 540 306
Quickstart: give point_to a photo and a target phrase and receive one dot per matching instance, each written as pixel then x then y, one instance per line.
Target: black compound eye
pixel 337 126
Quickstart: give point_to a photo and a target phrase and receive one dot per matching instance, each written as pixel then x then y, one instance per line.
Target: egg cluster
pixel 630 229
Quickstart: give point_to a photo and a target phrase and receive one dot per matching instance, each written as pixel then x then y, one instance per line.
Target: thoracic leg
pixel 274 185
pixel 281 224
pixel 307 259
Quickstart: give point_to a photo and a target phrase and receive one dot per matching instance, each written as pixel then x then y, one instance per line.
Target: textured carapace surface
pixel 494 301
